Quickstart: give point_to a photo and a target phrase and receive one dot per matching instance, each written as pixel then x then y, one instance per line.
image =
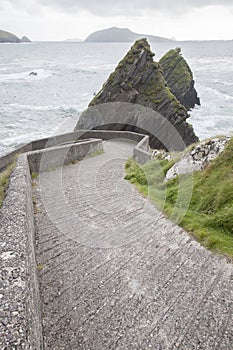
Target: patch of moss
pixel 4 181
pixel 180 73
pixel 34 175
pixel 157 91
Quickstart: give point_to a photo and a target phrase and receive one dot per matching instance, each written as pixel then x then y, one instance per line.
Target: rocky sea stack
pixel 25 40
pixel 139 80
pixel 179 78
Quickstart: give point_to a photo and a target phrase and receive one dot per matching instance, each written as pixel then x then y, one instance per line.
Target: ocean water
pixel 68 75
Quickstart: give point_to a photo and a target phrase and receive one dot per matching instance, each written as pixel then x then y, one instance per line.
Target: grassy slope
pixel 210 213
pixel 4 180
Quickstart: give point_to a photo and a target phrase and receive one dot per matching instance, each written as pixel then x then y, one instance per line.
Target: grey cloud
pixel 131 7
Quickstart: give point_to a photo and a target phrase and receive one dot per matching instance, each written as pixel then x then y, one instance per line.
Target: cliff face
pixel 139 80
pixel 179 78
pixel 6 37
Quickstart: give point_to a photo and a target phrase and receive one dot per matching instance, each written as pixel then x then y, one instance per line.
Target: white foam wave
pixel 42 108
pixel 22 76
pixel 101 66
pixel 216 93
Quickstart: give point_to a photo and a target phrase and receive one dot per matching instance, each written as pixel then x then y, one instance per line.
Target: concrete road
pixel 114 273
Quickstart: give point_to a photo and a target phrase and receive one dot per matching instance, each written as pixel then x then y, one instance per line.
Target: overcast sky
pixel 63 19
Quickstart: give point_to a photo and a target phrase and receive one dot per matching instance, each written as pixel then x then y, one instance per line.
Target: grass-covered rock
pixel 209 215
pixel 139 80
pixel 179 78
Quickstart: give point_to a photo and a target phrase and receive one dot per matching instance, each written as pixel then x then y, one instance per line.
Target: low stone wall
pixel 54 157
pixel 109 135
pixel 140 153
pixel 10 157
pixel 20 325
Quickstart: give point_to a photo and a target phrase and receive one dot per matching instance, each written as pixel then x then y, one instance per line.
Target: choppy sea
pixel 69 74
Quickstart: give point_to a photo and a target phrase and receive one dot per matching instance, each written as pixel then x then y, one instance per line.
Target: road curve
pixel 114 273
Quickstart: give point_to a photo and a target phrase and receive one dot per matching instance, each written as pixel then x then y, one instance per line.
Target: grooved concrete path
pixel 115 274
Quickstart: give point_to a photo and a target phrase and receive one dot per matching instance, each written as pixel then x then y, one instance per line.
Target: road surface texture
pixel 114 273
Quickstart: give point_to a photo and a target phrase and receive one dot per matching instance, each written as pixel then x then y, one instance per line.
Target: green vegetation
pixel 4 180
pixel 179 71
pixel 157 91
pixel 34 175
pixel 96 153
pixel 209 215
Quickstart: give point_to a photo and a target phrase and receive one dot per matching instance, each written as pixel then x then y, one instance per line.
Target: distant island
pixel 6 37
pixel 121 35
pixel 25 40
pixel 73 40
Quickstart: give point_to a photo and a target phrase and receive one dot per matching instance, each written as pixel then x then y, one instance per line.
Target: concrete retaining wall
pixel 20 304
pixel 10 157
pixel 55 157
pixel 141 151
pixel 71 137
pixel 141 154
pixel 21 324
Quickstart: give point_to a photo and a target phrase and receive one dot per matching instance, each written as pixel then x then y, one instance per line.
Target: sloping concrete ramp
pixel 114 273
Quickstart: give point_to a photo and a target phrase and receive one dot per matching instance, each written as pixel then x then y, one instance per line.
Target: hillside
pixel 6 37
pixel 208 215
pixel 121 35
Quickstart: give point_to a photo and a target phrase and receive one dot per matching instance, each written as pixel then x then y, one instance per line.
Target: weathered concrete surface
pixel 116 274
pixel 71 137
pixel 141 151
pixel 54 157
pixel 20 323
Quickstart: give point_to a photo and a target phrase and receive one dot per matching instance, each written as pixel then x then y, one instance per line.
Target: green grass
pixel 181 73
pixel 205 203
pixel 4 180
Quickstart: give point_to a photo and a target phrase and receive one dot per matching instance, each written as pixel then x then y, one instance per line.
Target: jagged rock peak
pixel 25 39
pixel 179 77
pixel 130 73
pixel 138 79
